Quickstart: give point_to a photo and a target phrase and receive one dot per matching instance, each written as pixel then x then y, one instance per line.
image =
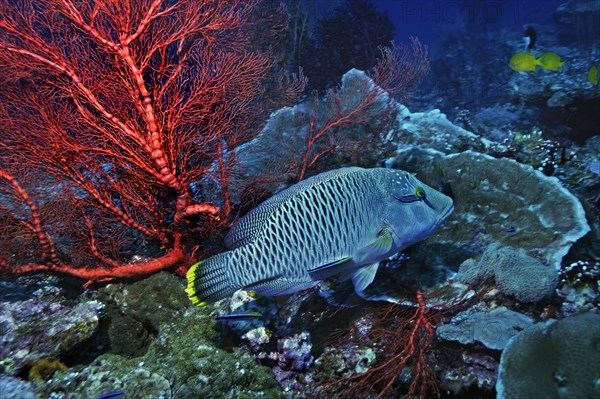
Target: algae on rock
pixel 181 361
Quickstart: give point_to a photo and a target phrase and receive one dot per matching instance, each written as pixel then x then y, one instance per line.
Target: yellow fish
pixel 592 75
pixel 523 61
pixel 550 61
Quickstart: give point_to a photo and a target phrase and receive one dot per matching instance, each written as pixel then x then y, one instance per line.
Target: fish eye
pixel 419 195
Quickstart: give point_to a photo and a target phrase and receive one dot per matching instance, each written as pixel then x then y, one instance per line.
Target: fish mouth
pixel 445 213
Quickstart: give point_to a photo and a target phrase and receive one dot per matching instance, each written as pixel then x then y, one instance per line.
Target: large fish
pixel 342 222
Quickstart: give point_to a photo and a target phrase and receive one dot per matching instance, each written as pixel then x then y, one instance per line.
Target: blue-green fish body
pixel 342 222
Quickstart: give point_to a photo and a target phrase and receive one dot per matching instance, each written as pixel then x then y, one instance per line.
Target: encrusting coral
pixel 45 368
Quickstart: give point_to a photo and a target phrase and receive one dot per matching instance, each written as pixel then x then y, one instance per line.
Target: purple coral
pixel 43 327
pixel 295 352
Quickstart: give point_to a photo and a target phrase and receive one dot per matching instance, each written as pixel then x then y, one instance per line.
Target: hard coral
pixel 553 360
pixel 183 359
pixel 492 328
pixel 515 273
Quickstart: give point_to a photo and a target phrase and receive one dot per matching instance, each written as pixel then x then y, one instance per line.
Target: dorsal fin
pixel 248 227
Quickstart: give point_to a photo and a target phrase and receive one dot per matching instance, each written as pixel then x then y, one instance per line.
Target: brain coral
pixel 500 200
pixel 555 359
pixel 515 273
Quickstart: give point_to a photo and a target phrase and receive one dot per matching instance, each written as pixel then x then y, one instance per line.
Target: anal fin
pixel 330 269
pixel 278 285
pixel 239 316
pixel 259 285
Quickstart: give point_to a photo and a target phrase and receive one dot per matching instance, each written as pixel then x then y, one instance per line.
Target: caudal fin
pixel 208 280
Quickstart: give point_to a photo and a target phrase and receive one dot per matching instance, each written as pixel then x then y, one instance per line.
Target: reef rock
pixel 478 370
pixel 42 325
pixel 15 388
pixel 491 328
pixel 577 21
pixel 179 357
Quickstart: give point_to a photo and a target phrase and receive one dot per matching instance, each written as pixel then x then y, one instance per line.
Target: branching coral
pixel 110 122
pixel 405 355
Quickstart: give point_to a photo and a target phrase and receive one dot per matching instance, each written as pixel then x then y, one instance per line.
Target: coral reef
pixel 295 352
pixel 496 201
pixel 534 149
pixel 283 137
pixel 404 360
pixel 515 273
pixel 565 101
pixel 579 299
pixel 581 272
pixel 500 200
pixel 492 328
pixel 561 103
pixel 293 356
pixel 493 122
pixel 433 133
pixel 345 361
pixel 44 326
pixel 112 142
pixel 157 345
pixel 271 339
pixel 180 358
pixel 15 388
pixel 160 162
pixel 477 370
pixel 558 359
pixel 44 369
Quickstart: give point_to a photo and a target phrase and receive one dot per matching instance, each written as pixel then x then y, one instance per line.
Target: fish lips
pixel 445 213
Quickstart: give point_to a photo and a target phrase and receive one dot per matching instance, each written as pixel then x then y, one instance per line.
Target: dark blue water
pixel 423 18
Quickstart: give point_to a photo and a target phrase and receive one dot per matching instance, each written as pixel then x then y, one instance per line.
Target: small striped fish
pixel 342 222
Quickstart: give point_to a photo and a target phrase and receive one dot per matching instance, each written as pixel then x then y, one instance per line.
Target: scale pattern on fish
pixel 342 222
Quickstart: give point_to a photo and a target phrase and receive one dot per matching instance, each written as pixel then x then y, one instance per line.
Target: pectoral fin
pixel 377 249
pixel 363 277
